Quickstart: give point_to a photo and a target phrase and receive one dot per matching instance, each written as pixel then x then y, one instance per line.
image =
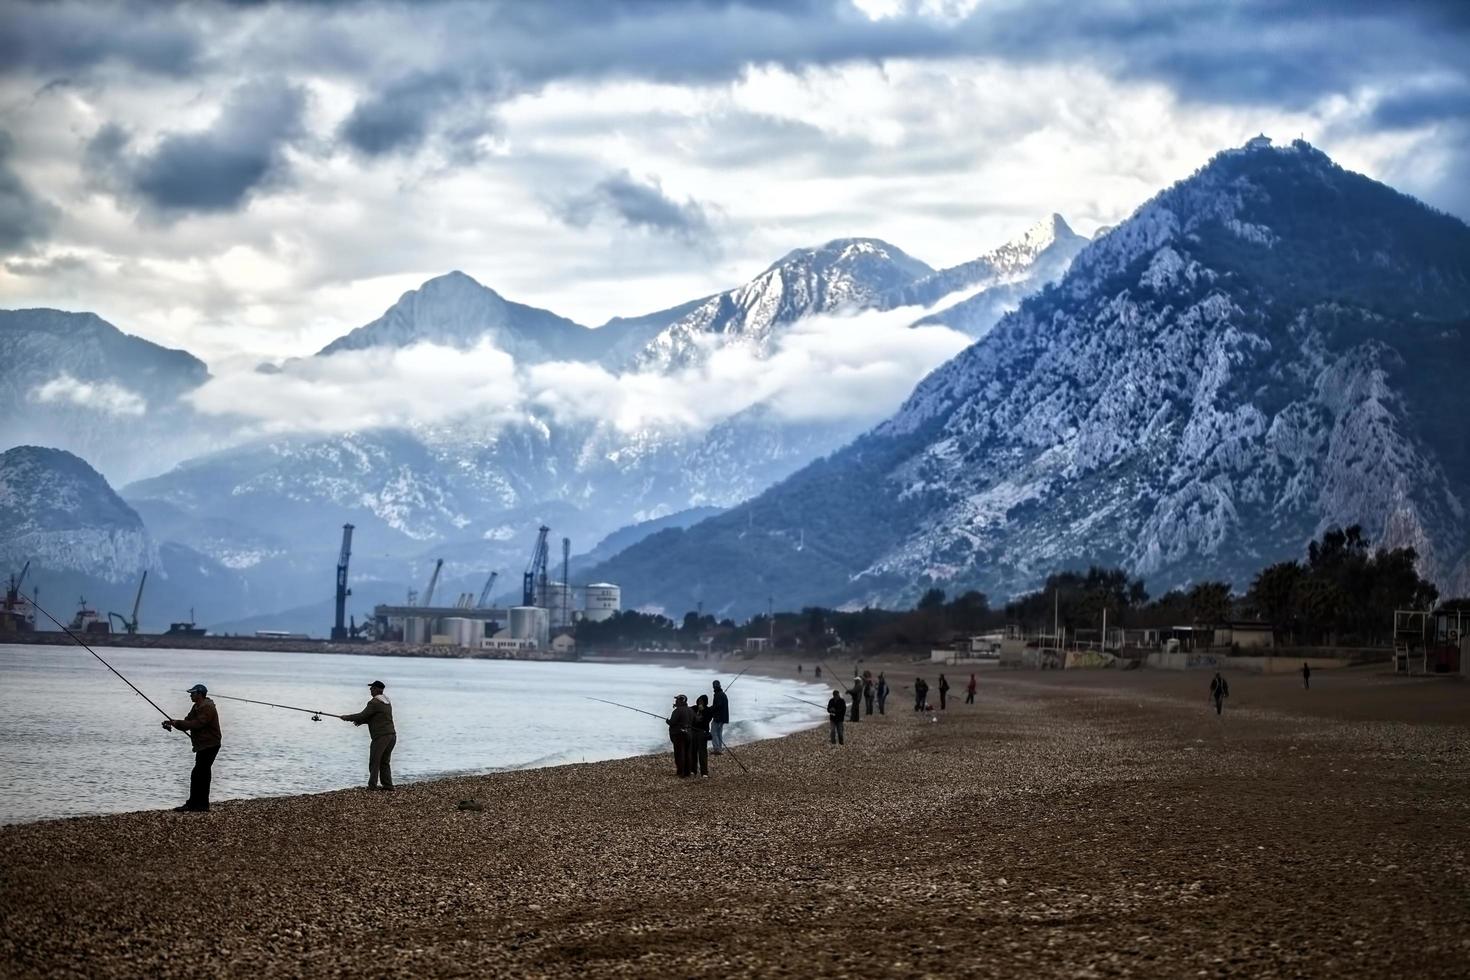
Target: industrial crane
pixel 339 626
pixel 536 570
pixel 485 592
pixel 566 581
pixel 130 625
pixel 433 581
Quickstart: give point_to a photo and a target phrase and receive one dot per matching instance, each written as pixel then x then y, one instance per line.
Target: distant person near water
pixel 382 736
pixel 699 736
pixel 720 718
pixel 202 726
pixel 836 714
pixel 921 694
pixel 970 690
pixel 818 670
pixel 882 691
pixel 943 692
pixel 681 720
pixel 856 691
pixel 868 692
pixel 1219 690
pixel 1306 674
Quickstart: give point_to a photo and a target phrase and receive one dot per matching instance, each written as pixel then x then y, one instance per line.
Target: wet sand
pixel 1069 824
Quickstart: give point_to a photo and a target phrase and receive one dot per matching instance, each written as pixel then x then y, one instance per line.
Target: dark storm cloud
pixel 1412 109
pixel 59 38
pixel 398 117
pixel 640 205
pixel 25 219
pixel 213 169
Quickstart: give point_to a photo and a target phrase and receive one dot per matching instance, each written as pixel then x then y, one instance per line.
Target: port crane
pixel 129 625
pixel 339 627
pixel 485 592
pixel 433 581
pixel 536 570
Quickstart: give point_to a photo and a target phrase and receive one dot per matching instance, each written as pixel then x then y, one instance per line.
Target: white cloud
pixel 104 397
pixel 854 368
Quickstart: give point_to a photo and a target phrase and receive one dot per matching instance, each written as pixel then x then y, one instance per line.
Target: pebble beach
pixel 1106 824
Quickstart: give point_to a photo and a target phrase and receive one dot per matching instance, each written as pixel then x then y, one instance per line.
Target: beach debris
pixel 468 805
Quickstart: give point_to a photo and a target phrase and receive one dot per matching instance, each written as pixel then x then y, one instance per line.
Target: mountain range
pixel 1270 347
pixel 470 490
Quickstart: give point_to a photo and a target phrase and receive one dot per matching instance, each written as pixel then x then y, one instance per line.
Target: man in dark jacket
pixel 681 721
pixel 921 693
pixel 868 692
pixel 943 692
pixel 1219 691
pixel 882 692
pixel 836 713
pixel 1306 674
pixel 378 716
pixel 856 693
pixel 202 724
pixel 720 720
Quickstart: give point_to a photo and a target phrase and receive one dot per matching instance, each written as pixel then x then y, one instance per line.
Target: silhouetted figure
pixel 681 721
pixel 943 692
pixel 819 670
pixel 836 713
pixel 921 693
pixel 1219 690
pixel 378 716
pixel 882 692
pixel 721 718
pixel 868 692
pixel 699 736
pixel 856 692
pixel 1306 674
pixel 202 726
pixel 970 690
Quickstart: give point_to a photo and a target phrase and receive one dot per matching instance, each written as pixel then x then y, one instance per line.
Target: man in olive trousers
pixel 378 716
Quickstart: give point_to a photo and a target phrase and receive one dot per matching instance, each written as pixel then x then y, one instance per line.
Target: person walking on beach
pixel 882 692
pixel 868 692
pixel 382 736
pixel 819 671
pixel 921 693
pixel 699 736
pixel 943 692
pixel 202 726
pixel 1306 675
pixel 719 719
pixel 681 720
pixel 1219 690
pixel 970 690
pixel 836 713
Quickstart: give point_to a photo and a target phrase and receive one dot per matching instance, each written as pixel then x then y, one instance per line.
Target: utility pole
pixel 771 617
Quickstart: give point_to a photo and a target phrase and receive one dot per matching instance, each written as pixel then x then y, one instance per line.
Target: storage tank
pixel 530 623
pixel 603 599
pixel 557 601
pixel 464 632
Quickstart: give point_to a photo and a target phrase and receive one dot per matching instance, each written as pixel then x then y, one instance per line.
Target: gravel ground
pixel 1079 825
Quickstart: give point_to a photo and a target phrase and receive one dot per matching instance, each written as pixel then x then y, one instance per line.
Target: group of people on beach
pixel 697 732
pixel 202 726
pixel 867 689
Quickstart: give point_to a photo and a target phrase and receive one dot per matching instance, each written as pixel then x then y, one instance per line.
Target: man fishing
pixel 836 714
pixel 681 724
pixel 856 691
pixel 882 691
pixel 202 726
pixel 378 716
pixel 721 718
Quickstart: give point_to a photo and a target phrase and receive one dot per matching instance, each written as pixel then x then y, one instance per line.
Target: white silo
pixel 603 599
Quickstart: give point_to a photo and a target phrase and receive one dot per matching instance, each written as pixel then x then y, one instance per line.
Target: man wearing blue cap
pixel 202 724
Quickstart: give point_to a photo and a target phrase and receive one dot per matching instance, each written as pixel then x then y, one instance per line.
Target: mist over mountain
pixel 1263 350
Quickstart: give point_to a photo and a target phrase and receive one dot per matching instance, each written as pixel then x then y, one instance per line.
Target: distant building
pixel 603 599
pixel 1258 142
pixel 757 643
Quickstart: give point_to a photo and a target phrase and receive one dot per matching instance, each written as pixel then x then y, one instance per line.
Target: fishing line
pixel 94 653
pixel 315 715
pixel 628 706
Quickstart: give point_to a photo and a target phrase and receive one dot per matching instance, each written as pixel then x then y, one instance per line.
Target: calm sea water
pixel 78 741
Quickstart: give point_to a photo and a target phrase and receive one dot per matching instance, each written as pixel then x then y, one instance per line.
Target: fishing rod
pixel 805 701
pixel 94 653
pixel 628 706
pixel 738 676
pixel 726 750
pixel 315 715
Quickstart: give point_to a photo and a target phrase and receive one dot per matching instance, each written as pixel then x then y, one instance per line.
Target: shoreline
pixel 1053 829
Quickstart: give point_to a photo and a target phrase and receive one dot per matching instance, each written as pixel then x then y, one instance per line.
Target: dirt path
pixel 1061 827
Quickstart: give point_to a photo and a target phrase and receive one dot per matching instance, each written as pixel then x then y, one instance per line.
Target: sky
pixel 250 180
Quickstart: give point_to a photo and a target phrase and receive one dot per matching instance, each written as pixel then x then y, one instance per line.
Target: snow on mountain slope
pixel 1262 351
